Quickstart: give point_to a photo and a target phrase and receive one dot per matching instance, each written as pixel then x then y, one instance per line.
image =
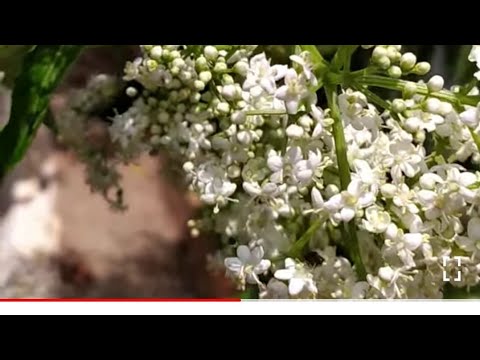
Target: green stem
pixel 343 57
pixel 339 137
pixel 396 84
pixel 350 231
pixel 265 112
pixel 299 245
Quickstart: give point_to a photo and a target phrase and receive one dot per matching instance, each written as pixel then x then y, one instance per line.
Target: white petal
pixel 386 273
pixel 294 131
pixel 263 266
pixel 284 274
pixel 467 178
pixel 304 176
pixel 208 198
pixel 279 71
pixel 290 76
pixel 412 241
pixel 289 263
pixel 252 189
pixel 277 177
pixel 295 286
pixel 258 253
pixel 317 199
pixel 317 131
pixel 408 169
pixel 363 169
pixel 355 187
pixel 465 243
pixel 281 92
pixel 473 229
pixel 269 188
pixel 294 154
pixel 347 214
pixel 292 105
pixel 426 197
pixel 366 199
pixel 275 163
pixel 256 91
pixel 243 253
pixel 334 203
pixel 233 264
pixel 469 117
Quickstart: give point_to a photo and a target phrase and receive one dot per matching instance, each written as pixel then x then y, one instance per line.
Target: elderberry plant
pixel 318 182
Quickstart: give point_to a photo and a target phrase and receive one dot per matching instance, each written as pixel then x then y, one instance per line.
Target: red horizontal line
pixel 119 300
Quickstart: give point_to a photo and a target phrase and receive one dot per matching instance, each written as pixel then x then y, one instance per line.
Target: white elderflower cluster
pixel 355 196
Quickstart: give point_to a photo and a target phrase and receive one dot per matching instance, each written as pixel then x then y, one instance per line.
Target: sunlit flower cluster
pixel 358 196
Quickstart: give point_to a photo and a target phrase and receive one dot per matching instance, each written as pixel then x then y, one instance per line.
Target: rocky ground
pixel 59 240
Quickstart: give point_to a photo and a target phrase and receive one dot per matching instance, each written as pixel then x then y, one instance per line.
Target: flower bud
pixel 238 117
pixel 384 62
pixel 244 137
pixel 422 68
pixel 201 64
pixel 408 61
pixel 227 79
pixel 210 52
pixel 379 52
pixel 156 53
pixel 188 166
pixel 386 273
pixel 131 91
pixel 199 85
pixel 398 105
pixel 294 131
pixel 220 67
pixel 433 105
pixel 435 83
pixel 395 72
pixel 233 171
pixel 241 68
pixel 445 108
pixel 223 107
pixel 393 54
pixel 331 190
pixel 409 90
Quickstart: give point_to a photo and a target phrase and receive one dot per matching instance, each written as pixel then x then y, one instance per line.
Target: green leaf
pixel 42 70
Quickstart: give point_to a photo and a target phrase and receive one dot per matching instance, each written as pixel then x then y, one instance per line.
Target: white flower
pixel 345 205
pixel 304 61
pixel 294 91
pixel 471 242
pixel 377 220
pixel 471 117
pixel 214 185
pixel 261 76
pixel 304 170
pixel 248 263
pixel 404 245
pixel 423 121
pixel 299 279
pixel 403 158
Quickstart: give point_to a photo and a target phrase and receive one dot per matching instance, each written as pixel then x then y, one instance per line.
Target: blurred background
pixel 59 240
